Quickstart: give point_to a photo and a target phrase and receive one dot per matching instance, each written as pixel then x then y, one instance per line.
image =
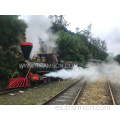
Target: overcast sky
pixel 104 15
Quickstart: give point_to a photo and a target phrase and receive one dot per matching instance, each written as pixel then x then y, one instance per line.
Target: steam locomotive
pixel 33 71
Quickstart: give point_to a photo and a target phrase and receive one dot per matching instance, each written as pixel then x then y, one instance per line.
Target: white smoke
pixel 38 32
pixel 76 72
pixel 110 71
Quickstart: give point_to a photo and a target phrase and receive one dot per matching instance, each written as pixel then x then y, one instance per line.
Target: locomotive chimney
pixel 26 48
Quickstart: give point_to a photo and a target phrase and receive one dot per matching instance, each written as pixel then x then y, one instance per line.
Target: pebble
pixel 12 94
pixel 83 102
pixel 21 91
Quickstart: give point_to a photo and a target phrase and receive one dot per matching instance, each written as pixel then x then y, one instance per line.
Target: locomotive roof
pixel 47 53
pixel 94 60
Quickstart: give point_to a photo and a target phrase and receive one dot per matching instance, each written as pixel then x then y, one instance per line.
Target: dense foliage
pixel 12 30
pixel 71 48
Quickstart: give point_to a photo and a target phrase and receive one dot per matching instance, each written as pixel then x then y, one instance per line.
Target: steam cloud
pixel 39 33
pixel 111 71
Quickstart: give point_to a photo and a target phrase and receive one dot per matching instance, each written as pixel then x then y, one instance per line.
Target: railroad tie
pixel 67 96
pixel 61 100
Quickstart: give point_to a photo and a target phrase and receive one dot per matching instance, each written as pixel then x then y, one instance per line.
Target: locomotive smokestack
pixel 26 48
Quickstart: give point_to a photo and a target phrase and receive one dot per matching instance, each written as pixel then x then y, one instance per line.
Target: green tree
pixel 72 48
pixel 59 22
pixel 12 31
pixel 97 47
pixel 117 58
pixel 86 32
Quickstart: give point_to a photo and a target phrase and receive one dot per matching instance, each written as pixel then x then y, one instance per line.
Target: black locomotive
pixel 34 70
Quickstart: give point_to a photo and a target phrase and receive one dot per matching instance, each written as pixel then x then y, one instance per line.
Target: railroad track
pixel 6 91
pixel 111 93
pixel 9 90
pixel 67 96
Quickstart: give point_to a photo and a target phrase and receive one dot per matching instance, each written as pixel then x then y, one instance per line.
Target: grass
pixel 35 95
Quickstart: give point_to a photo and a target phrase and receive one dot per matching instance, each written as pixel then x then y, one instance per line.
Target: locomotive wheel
pixel 29 83
pixel 36 82
pixel 49 79
pixel 45 80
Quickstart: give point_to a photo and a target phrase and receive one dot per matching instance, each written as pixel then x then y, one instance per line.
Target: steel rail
pixel 75 100
pixel 111 93
pixel 9 90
